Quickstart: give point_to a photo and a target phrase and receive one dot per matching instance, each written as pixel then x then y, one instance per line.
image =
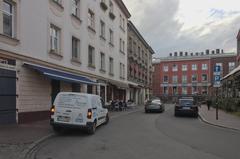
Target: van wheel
pixel 106 119
pixel 92 128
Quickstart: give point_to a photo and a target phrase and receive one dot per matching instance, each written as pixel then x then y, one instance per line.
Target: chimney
pixel 207 52
pixel 213 52
pixel 170 54
pixel 175 53
pixel 217 51
pixel 186 53
pixel 181 53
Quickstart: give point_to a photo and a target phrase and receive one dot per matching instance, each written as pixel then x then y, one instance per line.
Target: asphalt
pixel 140 136
pixel 18 140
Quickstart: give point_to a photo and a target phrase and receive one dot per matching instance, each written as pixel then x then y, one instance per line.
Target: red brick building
pixel 186 75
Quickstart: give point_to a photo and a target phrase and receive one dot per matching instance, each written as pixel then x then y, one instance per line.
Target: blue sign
pixel 217 69
pixel 217 76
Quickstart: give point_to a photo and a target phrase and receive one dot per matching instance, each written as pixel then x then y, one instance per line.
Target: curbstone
pixel 217 125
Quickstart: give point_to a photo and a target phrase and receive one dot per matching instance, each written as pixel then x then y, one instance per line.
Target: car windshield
pixel 185 102
pixel 156 102
pixel 72 101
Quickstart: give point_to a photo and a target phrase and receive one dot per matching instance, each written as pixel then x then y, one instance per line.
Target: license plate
pixel 63 118
pixel 186 108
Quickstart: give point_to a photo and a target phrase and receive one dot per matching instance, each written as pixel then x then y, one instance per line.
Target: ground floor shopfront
pixel 28 89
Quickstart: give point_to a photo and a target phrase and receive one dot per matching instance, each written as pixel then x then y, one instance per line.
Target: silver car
pixel 154 106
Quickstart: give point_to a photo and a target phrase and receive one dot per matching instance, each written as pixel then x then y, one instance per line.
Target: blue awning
pixel 60 75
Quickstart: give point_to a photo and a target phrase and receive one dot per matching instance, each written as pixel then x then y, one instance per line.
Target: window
pixel 58 1
pixel 184 90
pixel 134 47
pixel 91 56
pixel 165 79
pixel 122 22
pixel 102 62
pixel 231 66
pixel 8 18
pixel 75 48
pixel 175 67
pixel 184 79
pixel 130 44
pixel 111 36
pixel 111 66
pixel 204 77
pixel 204 90
pixel 111 7
pixel 139 51
pixel 75 7
pixel 122 45
pixel 194 89
pixel 204 66
pixel 175 90
pixel 194 78
pixel 194 67
pixel 175 79
pixel 55 38
pixel 91 19
pixel 165 90
pixel 165 68
pixel 184 67
pixel 122 70
pixel 102 29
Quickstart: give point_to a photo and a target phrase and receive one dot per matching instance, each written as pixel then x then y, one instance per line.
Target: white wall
pixel 35 17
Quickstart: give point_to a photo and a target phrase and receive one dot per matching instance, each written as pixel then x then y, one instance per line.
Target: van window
pixel 72 101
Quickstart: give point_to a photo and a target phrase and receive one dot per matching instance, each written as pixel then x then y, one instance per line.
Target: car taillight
pixel 89 114
pixel 52 110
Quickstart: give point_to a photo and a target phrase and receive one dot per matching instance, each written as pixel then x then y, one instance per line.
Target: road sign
pixel 217 76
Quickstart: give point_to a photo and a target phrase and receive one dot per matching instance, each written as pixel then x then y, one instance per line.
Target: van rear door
pixel 70 108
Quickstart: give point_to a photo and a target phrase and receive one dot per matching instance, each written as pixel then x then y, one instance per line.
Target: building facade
pixel 139 65
pixel 186 74
pixel 75 45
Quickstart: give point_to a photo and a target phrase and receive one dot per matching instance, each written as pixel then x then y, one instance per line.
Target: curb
pixel 217 125
pixel 31 147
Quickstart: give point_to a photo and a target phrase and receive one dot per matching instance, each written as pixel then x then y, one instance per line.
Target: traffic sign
pixel 217 76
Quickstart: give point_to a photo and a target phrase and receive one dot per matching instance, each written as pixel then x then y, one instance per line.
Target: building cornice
pixel 190 58
pixel 123 7
pixel 135 30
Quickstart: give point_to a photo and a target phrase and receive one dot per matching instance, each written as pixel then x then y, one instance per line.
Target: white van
pixel 78 110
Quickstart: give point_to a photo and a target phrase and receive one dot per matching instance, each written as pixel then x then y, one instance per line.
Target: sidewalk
pixel 224 119
pixel 15 139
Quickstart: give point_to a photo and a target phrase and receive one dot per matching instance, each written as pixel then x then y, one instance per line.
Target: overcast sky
pixel 186 25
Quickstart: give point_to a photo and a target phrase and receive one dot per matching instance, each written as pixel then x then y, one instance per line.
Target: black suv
pixel 186 106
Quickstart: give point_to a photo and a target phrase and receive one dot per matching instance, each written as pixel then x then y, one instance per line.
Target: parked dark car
pixel 186 106
pixel 154 106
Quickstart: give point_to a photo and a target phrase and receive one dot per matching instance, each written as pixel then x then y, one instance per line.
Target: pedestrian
pixel 209 103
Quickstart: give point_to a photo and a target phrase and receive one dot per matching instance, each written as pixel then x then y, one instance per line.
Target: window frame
pixel 10 15
pixel 91 60
pixel 75 41
pixel 53 37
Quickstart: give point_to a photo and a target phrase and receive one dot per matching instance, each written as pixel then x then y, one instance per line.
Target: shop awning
pixel 232 72
pixel 60 75
pixel 120 85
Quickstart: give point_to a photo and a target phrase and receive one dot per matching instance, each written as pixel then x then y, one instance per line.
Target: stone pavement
pixel 16 139
pixel 224 119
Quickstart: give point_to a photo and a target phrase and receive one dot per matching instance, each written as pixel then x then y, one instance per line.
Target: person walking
pixel 209 103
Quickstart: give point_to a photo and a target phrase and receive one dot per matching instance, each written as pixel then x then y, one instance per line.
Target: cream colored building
pixel 139 66
pixel 47 46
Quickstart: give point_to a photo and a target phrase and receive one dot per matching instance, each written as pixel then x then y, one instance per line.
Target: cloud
pixel 186 25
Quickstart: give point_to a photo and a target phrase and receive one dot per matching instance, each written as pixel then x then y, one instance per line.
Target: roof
pixel 123 7
pixel 130 24
pixel 195 57
pixel 237 69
